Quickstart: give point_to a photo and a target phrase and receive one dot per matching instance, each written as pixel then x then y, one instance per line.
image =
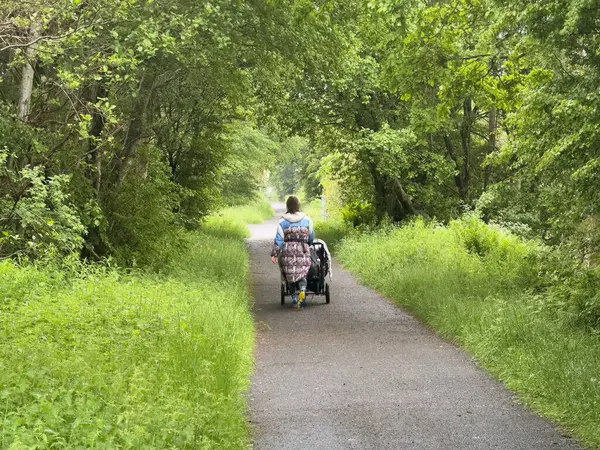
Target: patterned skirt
pixel 295 261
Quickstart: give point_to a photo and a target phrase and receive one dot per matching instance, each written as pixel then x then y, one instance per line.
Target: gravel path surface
pixel 361 373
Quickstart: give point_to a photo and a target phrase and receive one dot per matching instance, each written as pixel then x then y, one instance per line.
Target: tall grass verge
pixel 233 220
pixel 478 285
pixel 112 360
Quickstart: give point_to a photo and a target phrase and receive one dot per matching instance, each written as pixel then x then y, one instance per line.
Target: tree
pixel 141 103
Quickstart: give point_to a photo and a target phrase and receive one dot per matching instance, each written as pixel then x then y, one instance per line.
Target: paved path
pixel 361 373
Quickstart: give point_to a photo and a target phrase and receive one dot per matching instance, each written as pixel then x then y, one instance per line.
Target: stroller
pixel 316 278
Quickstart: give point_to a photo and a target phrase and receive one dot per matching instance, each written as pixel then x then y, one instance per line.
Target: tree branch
pixel 52 38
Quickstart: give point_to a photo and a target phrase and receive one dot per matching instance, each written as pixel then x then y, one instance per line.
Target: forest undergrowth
pixel 503 299
pixel 92 356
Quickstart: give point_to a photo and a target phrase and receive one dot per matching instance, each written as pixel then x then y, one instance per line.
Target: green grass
pixel 233 220
pixel 109 360
pixel 473 284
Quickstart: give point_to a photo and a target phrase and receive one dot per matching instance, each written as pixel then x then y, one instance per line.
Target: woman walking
pixel 291 249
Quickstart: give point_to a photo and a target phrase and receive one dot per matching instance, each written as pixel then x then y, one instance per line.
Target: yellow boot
pixel 301 298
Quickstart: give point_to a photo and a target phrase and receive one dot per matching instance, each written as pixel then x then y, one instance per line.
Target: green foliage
pixel 347 173
pixel 139 122
pixel 38 219
pixel 552 147
pixel 475 284
pixel 498 249
pixel 142 223
pixel 295 170
pixel 580 292
pixel 250 153
pixel 117 90
pixel 359 213
pixel 417 108
pixel 572 290
pixel 128 361
pixel 313 208
pixel 493 260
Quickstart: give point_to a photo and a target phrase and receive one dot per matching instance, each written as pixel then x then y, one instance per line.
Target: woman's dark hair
pixel 292 204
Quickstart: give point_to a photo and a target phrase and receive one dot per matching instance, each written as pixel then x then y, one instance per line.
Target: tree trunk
pixel 379 183
pixel 404 198
pixel 465 140
pixel 94 171
pixel 26 88
pixel 135 130
pixel 493 129
pixel 458 178
pixel 26 85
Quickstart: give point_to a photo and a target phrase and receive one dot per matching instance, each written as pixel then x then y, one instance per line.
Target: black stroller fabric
pixel 315 264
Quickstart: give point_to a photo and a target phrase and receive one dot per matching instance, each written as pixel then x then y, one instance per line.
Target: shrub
pixel 578 293
pixel 503 253
pixel 36 214
pixel 333 232
pixel 141 223
pixel 358 213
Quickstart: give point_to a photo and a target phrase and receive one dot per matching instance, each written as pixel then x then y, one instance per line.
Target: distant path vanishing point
pixel 361 373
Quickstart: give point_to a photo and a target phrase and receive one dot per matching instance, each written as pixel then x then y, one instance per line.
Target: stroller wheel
pixel 282 294
pixel 327 295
